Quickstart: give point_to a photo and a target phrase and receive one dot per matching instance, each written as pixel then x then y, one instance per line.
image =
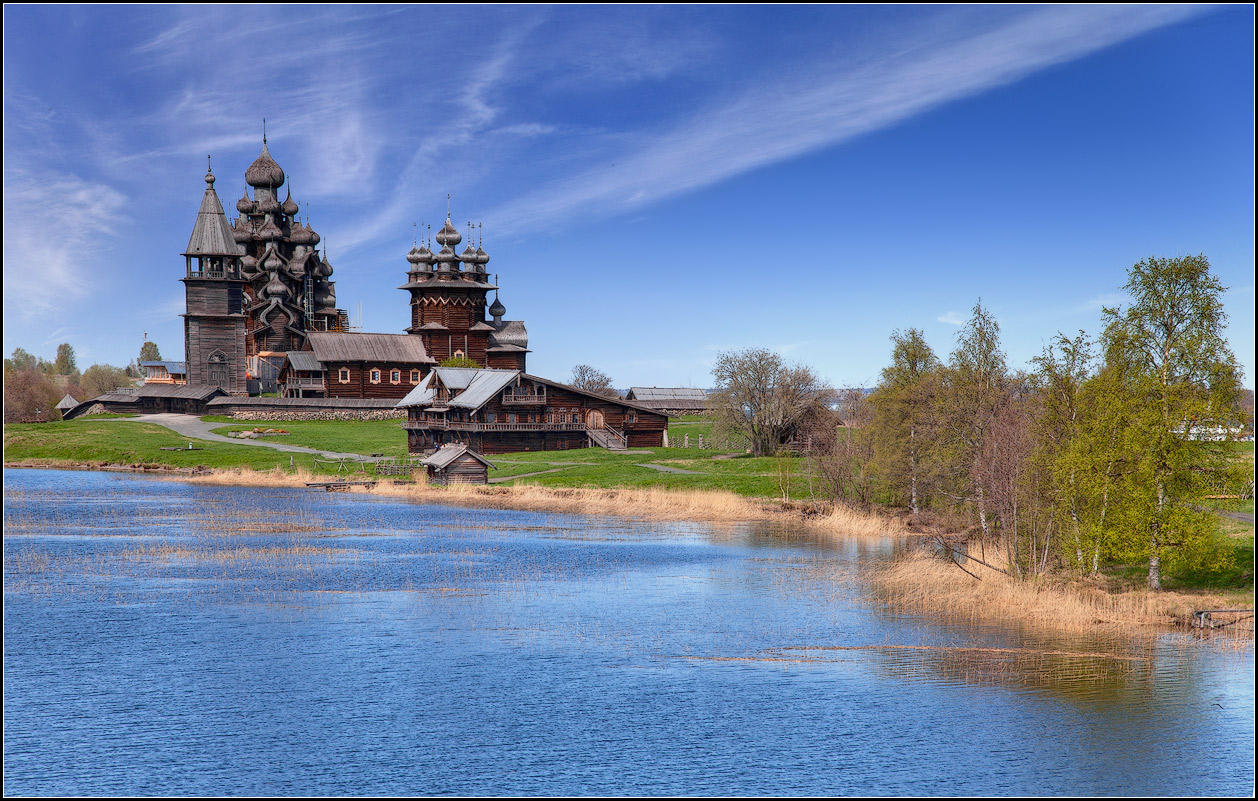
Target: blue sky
pixel 656 183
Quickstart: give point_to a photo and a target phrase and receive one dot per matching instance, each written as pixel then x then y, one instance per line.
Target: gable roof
pixel 404 348
pixel 304 360
pixel 472 388
pixel 666 393
pixel 446 454
pixel 68 402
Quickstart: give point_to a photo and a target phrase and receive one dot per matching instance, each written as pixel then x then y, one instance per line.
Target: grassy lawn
pixel 130 443
pixel 752 477
pixel 344 436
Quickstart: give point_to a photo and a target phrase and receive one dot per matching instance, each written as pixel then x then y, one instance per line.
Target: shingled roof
pixel 397 348
pixel 212 235
pixel 669 397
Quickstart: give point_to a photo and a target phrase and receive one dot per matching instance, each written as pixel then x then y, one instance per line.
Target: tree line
pixel 1101 450
pixel 34 385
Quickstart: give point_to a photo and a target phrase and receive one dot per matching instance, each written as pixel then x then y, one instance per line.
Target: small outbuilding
pixel 456 464
pixel 66 404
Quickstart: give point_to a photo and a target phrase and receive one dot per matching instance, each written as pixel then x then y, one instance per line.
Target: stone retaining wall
pixel 323 414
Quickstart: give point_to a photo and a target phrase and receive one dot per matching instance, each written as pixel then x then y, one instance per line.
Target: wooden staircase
pixel 608 438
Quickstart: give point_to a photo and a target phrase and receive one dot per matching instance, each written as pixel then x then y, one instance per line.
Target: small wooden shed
pixel 456 464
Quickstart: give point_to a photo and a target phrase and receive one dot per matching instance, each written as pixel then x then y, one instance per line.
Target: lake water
pixel 163 638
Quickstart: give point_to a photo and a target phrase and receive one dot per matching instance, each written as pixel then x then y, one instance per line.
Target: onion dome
pixel 264 171
pixel 446 257
pixel 301 235
pixel 468 256
pixel 482 258
pixel 449 235
pixel 325 269
pixel 267 205
pixel 245 205
pixel 272 261
pixel 426 258
pixel 314 237
pixel 297 268
pixel 270 232
pixel 249 266
pixel 241 232
pixel 289 207
pixel 413 256
pixel 210 179
pixel 497 309
pixel 275 288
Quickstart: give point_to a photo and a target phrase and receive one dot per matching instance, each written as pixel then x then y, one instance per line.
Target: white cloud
pixel 55 229
pixel 951 318
pixel 826 104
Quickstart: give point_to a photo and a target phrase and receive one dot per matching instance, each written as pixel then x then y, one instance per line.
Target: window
pixel 395 377
pixel 576 418
pixel 375 376
pixel 458 354
pixel 414 376
pixel 489 417
pixel 343 375
pixel 632 417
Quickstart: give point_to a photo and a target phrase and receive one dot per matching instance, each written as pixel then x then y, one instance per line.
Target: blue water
pixel 162 638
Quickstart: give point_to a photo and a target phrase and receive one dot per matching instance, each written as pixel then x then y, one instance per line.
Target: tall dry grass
pixel 648 504
pixel 922 582
pixel 642 503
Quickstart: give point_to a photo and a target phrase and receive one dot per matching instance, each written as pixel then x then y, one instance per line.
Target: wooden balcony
pixel 521 399
pixel 465 425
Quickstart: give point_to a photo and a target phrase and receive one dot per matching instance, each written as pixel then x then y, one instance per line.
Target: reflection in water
pixel 174 639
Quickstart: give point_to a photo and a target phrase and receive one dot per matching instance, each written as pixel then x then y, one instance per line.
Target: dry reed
pixel 924 583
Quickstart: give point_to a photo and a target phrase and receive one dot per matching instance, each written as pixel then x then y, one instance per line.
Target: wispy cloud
pixel 951 318
pixel 783 118
pixel 56 228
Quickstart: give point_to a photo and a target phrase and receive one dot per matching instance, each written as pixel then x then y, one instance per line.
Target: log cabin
pixel 501 411
pixel 353 365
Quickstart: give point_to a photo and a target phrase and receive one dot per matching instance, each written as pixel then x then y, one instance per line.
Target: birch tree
pixel 1184 378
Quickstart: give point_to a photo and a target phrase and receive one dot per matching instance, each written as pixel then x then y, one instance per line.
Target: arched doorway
pixel 594 419
pixel 218 369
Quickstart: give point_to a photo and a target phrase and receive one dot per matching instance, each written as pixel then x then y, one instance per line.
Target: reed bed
pixel 643 503
pixel 922 582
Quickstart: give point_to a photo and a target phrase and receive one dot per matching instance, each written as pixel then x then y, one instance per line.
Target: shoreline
pixel 914 582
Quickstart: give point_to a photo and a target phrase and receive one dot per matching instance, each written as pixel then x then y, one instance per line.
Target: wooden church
pixel 261 317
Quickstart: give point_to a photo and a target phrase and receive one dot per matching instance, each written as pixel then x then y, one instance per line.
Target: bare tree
pixel 592 380
pixel 847 461
pixel 763 399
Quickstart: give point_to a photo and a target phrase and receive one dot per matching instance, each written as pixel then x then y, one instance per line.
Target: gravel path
pixel 187 425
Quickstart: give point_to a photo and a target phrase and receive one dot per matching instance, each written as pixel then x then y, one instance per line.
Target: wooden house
pixel 500 411
pixel 155 399
pixel 350 365
pixel 165 372
pixel 670 400
pixel 456 464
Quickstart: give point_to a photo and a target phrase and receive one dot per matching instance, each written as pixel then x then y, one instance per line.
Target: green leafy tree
pixel 65 360
pixel 20 360
pixel 901 405
pixel 459 361
pixel 102 378
pixel 974 386
pixel 1182 377
pixel 149 352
